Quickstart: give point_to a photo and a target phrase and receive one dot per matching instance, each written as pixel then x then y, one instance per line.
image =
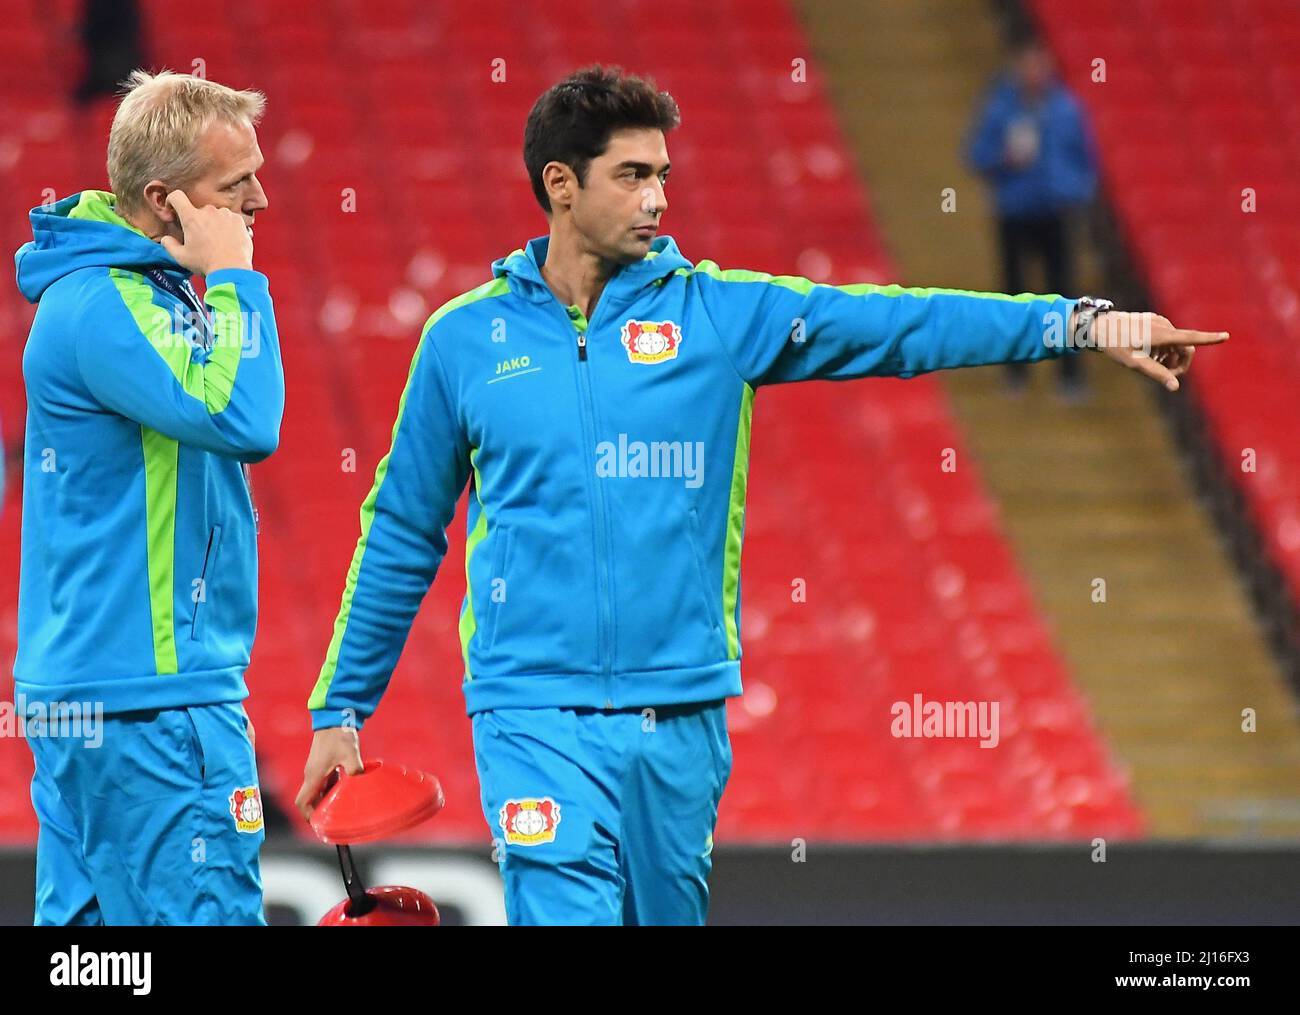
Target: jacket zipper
pixel 605 640
pixel 186 295
pixel 204 578
pixel 247 471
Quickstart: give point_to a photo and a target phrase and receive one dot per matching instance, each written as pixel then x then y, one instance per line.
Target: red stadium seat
pixel 910 586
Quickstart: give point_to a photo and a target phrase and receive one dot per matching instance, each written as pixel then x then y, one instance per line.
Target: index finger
pixel 1178 336
pixel 181 202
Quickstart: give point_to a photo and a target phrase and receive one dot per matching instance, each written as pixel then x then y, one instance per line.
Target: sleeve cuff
pixel 239 276
pixel 1062 309
pixel 330 718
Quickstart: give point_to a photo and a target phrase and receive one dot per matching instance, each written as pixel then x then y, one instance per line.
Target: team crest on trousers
pixel 651 341
pixel 246 808
pixel 530 822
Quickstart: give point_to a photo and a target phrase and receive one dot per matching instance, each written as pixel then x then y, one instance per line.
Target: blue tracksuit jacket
pixel 138 585
pixel 607 464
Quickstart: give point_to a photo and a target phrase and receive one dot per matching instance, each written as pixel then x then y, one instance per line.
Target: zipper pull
pixel 582 345
pixel 248 484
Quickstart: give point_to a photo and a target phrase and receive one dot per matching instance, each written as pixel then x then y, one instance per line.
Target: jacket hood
pixel 523 269
pixel 83 231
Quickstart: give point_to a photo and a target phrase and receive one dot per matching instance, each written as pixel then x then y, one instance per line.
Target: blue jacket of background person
pixel 1065 172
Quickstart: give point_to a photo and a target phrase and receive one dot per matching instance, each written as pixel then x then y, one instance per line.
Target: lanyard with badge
pixel 183 290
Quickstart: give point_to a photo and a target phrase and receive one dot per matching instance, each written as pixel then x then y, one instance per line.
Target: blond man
pixel 138 593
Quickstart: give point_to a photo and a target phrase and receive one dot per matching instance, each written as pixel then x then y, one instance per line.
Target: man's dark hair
pixel 573 120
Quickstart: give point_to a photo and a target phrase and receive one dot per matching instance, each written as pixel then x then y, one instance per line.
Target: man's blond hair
pixel 156 129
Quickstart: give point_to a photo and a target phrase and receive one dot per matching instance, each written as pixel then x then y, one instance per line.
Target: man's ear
pixel 558 179
pixel 155 198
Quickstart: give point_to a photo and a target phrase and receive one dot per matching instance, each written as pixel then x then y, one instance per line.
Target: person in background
pixel 111 45
pixel 1031 142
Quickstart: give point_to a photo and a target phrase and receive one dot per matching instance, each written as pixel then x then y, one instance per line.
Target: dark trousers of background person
pixel 1046 238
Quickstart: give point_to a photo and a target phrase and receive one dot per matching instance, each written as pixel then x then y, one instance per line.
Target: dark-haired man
pixel 598 391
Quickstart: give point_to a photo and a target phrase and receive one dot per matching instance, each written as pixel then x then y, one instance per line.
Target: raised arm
pixel 783 328
pixel 778 329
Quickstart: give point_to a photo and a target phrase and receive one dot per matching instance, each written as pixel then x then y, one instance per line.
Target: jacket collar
pixel 522 269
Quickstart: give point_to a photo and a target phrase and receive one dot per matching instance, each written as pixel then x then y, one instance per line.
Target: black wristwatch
pixel 1089 309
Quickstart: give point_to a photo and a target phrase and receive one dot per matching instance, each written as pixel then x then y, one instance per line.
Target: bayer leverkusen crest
pixel 651 341
pixel 530 822
pixel 246 809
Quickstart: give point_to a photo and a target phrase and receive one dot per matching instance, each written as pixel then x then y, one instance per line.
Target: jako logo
pixel 516 366
pixel 516 363
pixel 656 460
pixel 102 969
